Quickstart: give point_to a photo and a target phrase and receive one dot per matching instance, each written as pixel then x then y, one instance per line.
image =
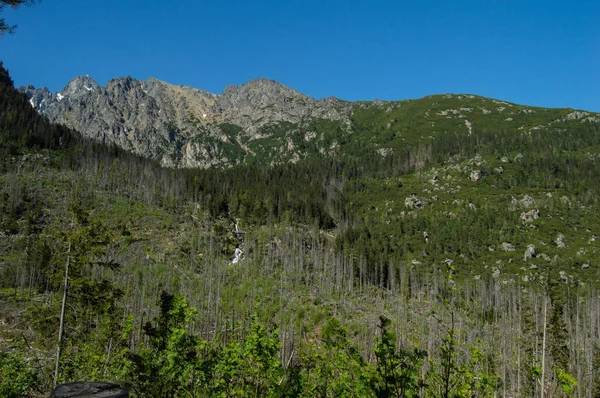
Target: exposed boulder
pixel 529 216
pixel 508 247
pixel 434 179
pixel 413 202
pixel 529 252
pixel 525 202
pixel 563 276
pixel 477 160
pixel 475 175
pixel 560 241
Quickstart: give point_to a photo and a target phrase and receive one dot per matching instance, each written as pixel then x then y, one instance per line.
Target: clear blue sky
pixel 544 53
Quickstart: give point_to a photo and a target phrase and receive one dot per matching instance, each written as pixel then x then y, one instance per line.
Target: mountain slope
pixel 482 228
pixel 266 122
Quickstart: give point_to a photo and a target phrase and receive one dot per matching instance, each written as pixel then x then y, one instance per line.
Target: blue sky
pixel 544 53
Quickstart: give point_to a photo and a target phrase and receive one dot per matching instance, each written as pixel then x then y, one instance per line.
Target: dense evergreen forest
pixel 355 275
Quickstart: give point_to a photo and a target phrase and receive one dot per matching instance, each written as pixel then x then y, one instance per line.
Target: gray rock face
pixel 79 86
pixel 179 126
pixel 39 99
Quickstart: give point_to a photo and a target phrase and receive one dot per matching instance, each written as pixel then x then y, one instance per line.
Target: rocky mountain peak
pixel 260 93
pixel 262 85
pixel 180 125
pixel 80 85
pixel 40 99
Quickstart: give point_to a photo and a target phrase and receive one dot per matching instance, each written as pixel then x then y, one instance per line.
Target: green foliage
pixel 558 335
pixel 251 368
pixel 566 383
pixel 453 377
pixel 398 372
pixel 4 27
pixel 168 365
pixel 17 375
pixel 329 234
pixel 334 367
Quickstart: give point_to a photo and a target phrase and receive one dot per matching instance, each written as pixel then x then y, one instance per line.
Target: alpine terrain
pixel 260 242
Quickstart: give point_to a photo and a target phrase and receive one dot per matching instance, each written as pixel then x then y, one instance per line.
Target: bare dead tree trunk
pixel 62 316
pixel 544 347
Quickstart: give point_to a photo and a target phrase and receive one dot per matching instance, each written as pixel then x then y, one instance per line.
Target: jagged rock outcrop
pixel 264 101
pixel 179 126
pixel 39 99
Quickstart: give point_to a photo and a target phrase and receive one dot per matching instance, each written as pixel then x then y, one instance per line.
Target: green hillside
pixel 389 257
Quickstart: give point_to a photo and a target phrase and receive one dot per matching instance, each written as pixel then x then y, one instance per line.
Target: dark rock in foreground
pixel 86 389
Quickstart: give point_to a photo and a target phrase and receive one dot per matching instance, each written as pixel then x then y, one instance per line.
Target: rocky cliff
pixel 180 126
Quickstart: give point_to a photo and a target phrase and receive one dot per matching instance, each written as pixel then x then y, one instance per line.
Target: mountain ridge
pixel 264 121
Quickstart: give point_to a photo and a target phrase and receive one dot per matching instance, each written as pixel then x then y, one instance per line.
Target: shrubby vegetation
pixel 346 288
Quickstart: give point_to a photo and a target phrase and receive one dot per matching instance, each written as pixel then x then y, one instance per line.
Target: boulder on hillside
pixel 508 247
pixel 413 201
pixel 560 241
pixel 475 175
pixel 530 252
pixel 525 202
pixel 563 276
pixel 529 216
